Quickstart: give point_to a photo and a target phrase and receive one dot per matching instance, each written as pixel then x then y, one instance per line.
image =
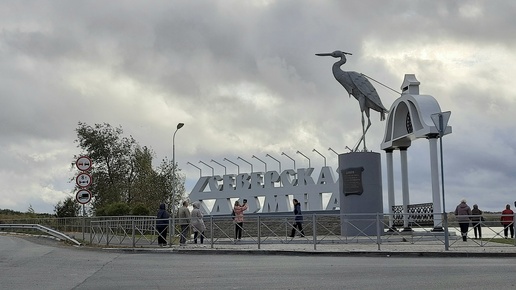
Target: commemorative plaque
pixel 352 178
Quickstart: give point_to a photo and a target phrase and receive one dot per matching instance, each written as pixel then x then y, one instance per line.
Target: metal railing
pixel 369 231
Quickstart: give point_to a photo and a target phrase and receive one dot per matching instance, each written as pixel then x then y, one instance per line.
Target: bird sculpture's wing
pixel 367 89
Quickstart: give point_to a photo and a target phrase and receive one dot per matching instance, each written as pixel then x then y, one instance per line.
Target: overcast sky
pixel 244 78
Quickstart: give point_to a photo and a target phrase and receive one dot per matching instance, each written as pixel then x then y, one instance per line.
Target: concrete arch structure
pixel 410 119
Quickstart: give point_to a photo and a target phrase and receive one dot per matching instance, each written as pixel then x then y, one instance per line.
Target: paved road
pixel 40 263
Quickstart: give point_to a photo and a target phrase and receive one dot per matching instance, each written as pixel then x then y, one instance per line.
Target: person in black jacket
pixel 298 224
pixel 162 225
pixel 476 220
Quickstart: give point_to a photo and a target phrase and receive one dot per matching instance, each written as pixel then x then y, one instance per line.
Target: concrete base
pixel 360 189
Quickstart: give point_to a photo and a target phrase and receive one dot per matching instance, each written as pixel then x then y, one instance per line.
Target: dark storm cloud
pixel 244 77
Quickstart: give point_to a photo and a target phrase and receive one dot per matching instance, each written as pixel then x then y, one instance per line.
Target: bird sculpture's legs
pixel 364 131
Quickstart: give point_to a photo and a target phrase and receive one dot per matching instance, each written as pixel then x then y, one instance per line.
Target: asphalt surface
pixel 31 262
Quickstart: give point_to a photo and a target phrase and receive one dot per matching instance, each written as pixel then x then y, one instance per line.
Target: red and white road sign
pixel 83 196
pixel 83 179
pixel 83 163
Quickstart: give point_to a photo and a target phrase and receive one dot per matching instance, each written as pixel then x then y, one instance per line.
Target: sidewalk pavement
pixel 471 248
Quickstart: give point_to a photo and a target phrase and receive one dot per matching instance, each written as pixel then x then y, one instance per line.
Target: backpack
pixel 233 214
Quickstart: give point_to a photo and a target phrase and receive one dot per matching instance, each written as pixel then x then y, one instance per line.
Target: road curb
pixel 415 254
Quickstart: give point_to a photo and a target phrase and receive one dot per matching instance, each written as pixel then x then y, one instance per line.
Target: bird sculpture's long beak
pixel 323 54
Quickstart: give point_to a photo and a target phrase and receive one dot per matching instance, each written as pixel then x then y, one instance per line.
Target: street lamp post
pixel 174 179
pixel 225 170
pixel 212 170
pixel 279 163
pixel 246 162
pixel 200 170
pixel 238 166
pixel 262 162
pixel 314 150
pixel 330 149
pixel 441 121
pixel 293 160
pixel 299 152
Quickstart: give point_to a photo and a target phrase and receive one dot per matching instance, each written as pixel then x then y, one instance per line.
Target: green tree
pixel 122 172
pixel 67 208
pixel 140 209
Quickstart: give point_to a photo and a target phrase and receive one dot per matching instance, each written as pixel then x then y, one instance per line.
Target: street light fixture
pixel 200 170
pixel 299 152
pixel 238 166
pixel 267 155
pixel 314 150
pixel 293 160
pixel 174 179
pixel 333 151
pixel 225 171
pixel 212 170
pixel 440 121
pixel 246 162
pixel 262 162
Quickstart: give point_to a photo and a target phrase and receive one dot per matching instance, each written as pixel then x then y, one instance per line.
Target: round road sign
pixel 83 163
pixel 83 179
pixel 83 196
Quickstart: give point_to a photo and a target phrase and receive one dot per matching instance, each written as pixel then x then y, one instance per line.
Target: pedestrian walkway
pixel 364 246
pixel 304 247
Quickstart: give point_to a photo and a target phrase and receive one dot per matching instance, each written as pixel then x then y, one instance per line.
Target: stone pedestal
pixel 360 193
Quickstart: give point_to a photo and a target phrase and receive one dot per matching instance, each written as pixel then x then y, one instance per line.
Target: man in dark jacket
pixel 162 219
pixel 463 215
pixel 298 219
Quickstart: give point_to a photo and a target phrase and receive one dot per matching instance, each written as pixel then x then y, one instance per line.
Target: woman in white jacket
pixel 197 222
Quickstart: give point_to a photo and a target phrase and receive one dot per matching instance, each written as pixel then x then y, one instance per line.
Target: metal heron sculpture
pixel 359 86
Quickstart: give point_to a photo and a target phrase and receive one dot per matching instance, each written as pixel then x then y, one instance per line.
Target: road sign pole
pixel 83 220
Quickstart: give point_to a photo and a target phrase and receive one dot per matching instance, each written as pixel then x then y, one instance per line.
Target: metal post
pixel 246 162
pixel 107 233
pixel 299 152
pixel 439 123
pixel 314 150
pixel 378 229
pixel 133 234
pixel 279 163
pixel 179 126
pixel 329 149
pixel 238 166
pixel 211 231
pixel 170 235
pixel 225 170
pixel 212 170
pixel 314 231
pixel 283 153
pixel 200 170
pixel 445 217
pixel 83 221
pixel 262 162
pixel 259 232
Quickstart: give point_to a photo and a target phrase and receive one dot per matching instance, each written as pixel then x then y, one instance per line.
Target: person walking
pixel 476 220
pixel 298 220
pixel 239 218
pixel 162 220
pixel 507 220
pixel 463 213
pixel 184 222
pixel 197 224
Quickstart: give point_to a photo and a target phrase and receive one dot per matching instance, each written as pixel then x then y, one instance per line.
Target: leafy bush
pixel 140 209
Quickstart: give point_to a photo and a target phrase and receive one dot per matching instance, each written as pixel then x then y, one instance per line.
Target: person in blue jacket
pixel 298 224
pixel 162 225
